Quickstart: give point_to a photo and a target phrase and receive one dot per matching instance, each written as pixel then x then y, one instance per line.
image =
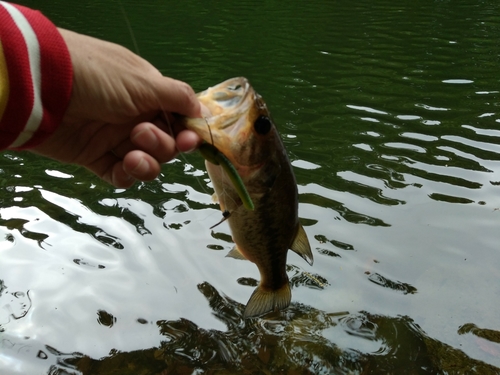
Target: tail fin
pixel 264 300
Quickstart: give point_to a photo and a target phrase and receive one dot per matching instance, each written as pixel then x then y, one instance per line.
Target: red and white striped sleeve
pixel 35 77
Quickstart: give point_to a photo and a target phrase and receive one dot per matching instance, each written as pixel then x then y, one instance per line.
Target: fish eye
pixel 262 125
pixel 234 88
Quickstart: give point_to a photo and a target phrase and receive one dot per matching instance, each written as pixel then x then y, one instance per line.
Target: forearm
pixel 35 77
pixel 116 123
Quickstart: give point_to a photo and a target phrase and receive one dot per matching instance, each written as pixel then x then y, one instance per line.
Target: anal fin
pixel 301 245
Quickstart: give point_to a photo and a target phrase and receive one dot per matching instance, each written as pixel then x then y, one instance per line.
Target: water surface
pixel 390 115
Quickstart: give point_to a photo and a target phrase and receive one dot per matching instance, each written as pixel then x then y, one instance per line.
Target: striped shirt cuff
pixel 35 77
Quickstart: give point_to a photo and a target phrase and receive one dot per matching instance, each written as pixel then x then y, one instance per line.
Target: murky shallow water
pixel 390 115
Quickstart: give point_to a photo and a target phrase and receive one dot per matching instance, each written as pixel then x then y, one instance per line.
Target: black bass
pixel 240 128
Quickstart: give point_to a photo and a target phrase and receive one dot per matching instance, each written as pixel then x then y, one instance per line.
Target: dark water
pixel 391 117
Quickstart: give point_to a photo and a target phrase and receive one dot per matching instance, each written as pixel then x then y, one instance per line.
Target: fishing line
pixel 225 214
pixel 210 131
pixel 164 115
pixel 169 129
pixel 132 36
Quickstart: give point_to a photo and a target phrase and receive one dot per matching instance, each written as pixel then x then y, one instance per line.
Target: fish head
pixel 239 125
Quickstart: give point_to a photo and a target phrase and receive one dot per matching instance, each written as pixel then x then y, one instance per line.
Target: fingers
pixel 111 169
pixel 136 165
pixel 152 140
pixel 140 165
pixel 119 177
pixel 148 148
pixel 141 156
pixel 187 140
pixel 154 148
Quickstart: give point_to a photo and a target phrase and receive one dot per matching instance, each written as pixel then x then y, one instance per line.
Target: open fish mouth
pixel 232 109
pixel 227 108
pixel 230 95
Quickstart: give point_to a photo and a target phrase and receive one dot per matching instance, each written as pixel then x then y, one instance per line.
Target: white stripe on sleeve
pixel 33 46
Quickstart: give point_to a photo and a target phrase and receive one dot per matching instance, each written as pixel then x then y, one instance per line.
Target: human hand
pixel 117 124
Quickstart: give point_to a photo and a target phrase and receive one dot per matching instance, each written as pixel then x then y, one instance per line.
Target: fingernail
pixel 121 180
pixel 205 112
pixel 128 178
pixel 142 168
pixel 146 138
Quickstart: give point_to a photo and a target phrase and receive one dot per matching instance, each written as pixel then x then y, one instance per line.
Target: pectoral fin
pixel 301 245
pixel 235 253
pixel 214 156
pixel 215 199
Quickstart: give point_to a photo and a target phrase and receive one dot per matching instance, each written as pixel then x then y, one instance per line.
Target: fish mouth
pixel 227 107
pixel 231 96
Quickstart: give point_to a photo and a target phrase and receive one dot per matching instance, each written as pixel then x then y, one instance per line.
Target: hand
pixel 117 123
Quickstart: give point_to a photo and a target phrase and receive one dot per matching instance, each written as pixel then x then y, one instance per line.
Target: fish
pixel 239 130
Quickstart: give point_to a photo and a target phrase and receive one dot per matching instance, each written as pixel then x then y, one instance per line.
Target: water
pixel 389 112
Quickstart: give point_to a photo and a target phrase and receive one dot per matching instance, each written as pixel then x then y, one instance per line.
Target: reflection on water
pixel 390 115
pixel 301 340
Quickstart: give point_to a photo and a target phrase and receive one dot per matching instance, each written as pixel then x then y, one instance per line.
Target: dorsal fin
pixel 301 245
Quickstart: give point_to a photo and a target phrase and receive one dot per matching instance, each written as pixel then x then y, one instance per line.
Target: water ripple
pixel 389 112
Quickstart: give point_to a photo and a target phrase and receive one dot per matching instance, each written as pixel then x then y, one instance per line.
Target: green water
pixel 389 112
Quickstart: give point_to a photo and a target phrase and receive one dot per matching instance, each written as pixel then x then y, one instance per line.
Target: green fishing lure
pixel 214 156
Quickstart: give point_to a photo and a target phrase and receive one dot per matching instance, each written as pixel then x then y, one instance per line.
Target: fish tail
pixel 265 300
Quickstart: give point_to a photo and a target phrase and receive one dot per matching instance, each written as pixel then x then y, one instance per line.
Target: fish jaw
pixel 226 105
pixel 228 99
pixel 233 108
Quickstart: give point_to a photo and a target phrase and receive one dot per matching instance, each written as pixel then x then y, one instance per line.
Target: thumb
pixel 178 97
